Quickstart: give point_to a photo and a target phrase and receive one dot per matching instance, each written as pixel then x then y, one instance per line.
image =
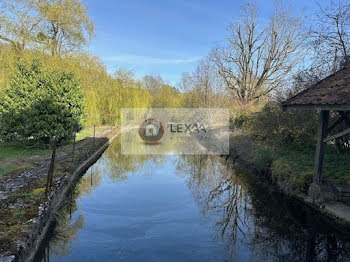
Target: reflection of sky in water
pixel 176 208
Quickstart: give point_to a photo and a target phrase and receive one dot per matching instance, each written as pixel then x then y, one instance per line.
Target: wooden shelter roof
pixel 331 93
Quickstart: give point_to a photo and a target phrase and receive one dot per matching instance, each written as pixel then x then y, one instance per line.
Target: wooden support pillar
pixel 322 133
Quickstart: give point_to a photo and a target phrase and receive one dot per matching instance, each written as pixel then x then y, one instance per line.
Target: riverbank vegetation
pixel 16 157
pixel 286 142
pixel 264 136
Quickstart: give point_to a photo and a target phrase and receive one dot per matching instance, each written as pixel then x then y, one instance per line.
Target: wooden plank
pixel 319 157
pixel 339 135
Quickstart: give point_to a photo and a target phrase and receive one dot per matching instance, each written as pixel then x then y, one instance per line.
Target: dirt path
pixel 15 180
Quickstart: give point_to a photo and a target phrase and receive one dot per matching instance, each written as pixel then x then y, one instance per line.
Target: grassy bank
pixel 15 157
pixel 89 132
pixel 291 165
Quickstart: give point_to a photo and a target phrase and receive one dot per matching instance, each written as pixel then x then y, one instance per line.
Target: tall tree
pixel 55 26
pixel 331 36
pixel 18 22
pixel 66 27
pixel 204 86
pixel 152 82
pixel 257 58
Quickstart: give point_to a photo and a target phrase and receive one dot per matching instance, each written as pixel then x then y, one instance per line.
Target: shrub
pixel 39 104
pixel 302 180
pixel 274 125
pixel 281 173
pixel 289 177
pixel 281 169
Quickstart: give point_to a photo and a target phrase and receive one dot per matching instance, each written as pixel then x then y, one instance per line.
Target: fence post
pixel 93 140
pixel 52 166
pixel 74 137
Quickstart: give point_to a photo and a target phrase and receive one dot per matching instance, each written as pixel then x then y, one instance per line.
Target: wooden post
pixel 93 140
pixel 52 166
pixel 74 137
pixel 319 157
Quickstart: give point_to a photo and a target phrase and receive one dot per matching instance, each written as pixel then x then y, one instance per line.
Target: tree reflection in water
pixel 248 217
pixel 118 166
pixel 249 213
pixel 66 226
pixel 112 164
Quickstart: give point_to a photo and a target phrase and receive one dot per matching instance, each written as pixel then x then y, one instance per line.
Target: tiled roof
pixel 334 90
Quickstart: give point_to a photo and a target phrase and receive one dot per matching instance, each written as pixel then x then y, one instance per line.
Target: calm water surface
pixel 184 208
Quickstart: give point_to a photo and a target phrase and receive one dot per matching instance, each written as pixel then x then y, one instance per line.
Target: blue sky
pixel 165 37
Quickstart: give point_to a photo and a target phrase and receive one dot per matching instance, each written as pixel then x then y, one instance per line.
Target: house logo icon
pixel 151 130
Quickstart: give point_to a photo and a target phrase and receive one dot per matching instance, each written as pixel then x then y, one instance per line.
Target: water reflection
pixel 273 228
pixel 235 217
pixel 66 228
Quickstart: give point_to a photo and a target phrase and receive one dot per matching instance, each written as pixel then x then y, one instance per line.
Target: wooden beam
pixel 339 135
pixel 319 107
pixel 319 157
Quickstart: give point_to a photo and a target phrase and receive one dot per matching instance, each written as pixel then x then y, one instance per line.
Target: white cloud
pixel 141 60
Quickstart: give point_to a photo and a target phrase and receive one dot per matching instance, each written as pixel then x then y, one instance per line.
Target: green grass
pixel 336 166
pixel 16 157
pixel 10 167
pixel 293 164
pixel 13 151
pixel 89 132
pixel 4 170
pixel 297 163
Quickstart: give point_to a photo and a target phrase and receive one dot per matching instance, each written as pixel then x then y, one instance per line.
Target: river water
pixel 185 208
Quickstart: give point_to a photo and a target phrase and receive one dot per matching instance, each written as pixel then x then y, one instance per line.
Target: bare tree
pixel 257 58
pixel 152 82
pixel 331 36
pixel 204 84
